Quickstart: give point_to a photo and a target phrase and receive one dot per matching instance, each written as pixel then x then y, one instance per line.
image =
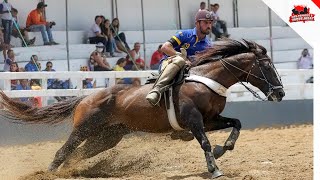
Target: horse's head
pixel 263 74
pixel 243 61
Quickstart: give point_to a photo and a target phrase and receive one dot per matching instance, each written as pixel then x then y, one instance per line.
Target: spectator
pixel 33 64
pixel 6 19
pixel 9 60
pixel 107 33
pixel 35 85
pixel 95 35
pixel 218 24
pixel 3 47
pixel 119 67
pixel 119 37
pixel 156 57
pixel 202 6
pixel 305 61
pixel 98 61
pixel 135 54
pixel 24 85
pixel 14 68
pixel 36 22
pixel 87 83
pixel 16 28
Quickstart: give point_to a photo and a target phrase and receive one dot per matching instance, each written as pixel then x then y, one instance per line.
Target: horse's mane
pixel 228 47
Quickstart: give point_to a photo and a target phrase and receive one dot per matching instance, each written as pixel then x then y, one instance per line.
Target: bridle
pixel 257 61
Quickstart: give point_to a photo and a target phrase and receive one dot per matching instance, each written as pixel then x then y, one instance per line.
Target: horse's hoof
pixel 52 168
pixel 218 151
pixel 216 173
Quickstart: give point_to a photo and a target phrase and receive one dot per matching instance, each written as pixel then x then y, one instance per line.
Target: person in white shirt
pixel 202 6
pixel 219 24
pixel 305 61
pixel 6 19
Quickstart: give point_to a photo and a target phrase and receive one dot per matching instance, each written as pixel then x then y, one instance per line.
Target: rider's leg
pixel 165 78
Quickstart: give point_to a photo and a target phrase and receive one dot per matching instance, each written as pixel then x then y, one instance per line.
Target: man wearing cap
pixel 179 50
pixel 36 22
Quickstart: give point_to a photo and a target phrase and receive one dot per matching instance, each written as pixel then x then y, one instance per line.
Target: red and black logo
pixel 301 13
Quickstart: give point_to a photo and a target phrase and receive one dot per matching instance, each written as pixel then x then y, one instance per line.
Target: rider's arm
pixel 168 49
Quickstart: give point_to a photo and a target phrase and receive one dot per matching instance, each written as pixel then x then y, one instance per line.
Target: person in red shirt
pixel 36 22
pixel 155 59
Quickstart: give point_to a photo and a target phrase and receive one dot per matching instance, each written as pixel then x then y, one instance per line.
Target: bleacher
pixel 287 46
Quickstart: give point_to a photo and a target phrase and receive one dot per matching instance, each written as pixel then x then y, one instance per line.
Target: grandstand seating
pixel 287 46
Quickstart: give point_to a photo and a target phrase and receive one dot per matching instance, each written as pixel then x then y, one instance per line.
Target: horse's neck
pixel 217 72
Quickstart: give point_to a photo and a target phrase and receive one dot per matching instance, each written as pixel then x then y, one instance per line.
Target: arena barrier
pixel 293 81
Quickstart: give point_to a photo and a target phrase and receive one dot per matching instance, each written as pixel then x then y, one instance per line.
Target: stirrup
pixel 159 96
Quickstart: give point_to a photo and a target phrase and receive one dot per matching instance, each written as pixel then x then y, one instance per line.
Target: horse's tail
pixel 52 114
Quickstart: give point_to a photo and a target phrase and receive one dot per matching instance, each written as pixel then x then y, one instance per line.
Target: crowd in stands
pixel 105 34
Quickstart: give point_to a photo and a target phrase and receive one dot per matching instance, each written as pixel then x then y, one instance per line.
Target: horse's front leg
pixel 193 118
pixel 221 123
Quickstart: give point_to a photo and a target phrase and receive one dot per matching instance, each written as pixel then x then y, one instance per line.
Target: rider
pixel 179 49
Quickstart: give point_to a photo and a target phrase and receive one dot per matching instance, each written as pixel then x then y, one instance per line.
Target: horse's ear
pixel 246 43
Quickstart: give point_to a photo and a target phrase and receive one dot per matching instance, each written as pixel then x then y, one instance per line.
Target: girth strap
pixel 211 84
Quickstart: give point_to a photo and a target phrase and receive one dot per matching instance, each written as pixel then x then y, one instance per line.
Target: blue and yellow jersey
pixel 188 40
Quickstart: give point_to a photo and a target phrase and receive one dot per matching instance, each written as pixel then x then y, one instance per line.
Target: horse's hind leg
pixel 109 137
pixel 221 123
pixel 74 140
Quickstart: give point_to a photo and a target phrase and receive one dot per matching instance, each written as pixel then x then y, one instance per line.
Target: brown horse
pixel 104 117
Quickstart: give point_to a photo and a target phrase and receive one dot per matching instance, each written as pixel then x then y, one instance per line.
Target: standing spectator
pixel 50 82
pixel 119 67
pixel 98 61
pixel 135 54
pixel 6 19
pixel 16 28
pixel 3 47
pixel 14 68
pixel 9 60
pixel 87 83
pixel 119 37
pixel 305 61
pixel 95 35
pixel 32 64
pixel 218 24
pixel 36 22
pixel 156 57
pixel 202 6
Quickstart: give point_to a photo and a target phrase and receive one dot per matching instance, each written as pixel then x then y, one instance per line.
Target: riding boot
pixel 165 78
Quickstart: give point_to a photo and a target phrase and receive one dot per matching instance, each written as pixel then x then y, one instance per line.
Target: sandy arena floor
pixel 277 153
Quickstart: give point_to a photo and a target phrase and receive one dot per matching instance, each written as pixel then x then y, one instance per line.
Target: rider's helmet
pixel 203 15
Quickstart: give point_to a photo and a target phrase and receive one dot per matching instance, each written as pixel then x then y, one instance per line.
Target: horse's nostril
pixel 281 94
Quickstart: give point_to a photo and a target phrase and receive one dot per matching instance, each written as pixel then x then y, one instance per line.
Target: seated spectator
pixel 155 59
pixel 16 28
pixel 36 22
pixel 9 60
pixel 119 67
pixel 98 60
pixel 105 28
pixel 55 83
pixel 35 85
pixel 119 37
pixel 87 83
pixel 135 54
pixel 305 61
pixel 33 64
pixel 95 35
pixel 6 19
pixel 218 24
pixel 24 85
pixel 202 6
pixel 14 68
